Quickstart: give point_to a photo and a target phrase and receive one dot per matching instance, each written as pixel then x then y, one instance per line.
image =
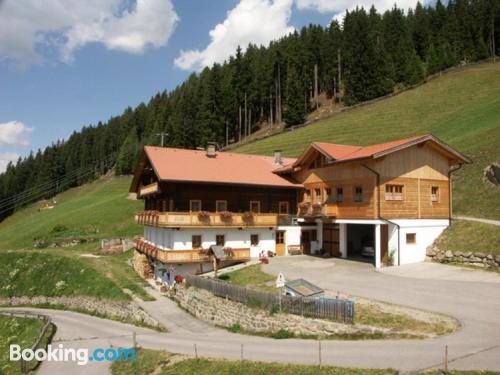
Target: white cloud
pixel 340 6
pixel 5 158
pixel 251 21
pixel 28 27
pixel 14 133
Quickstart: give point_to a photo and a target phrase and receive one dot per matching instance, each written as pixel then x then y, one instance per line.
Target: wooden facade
pixel 357 189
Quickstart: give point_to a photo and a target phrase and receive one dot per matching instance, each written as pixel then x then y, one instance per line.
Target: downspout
pixel 450 203
pixel 377 175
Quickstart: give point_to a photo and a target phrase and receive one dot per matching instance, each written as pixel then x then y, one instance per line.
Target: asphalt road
pixel 470 296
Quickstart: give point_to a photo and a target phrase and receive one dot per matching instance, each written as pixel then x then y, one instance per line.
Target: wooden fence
pixel 328 308
pixel 28 366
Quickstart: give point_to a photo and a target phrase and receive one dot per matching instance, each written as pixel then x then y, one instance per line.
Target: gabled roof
pixel 180 165
pixel 342 153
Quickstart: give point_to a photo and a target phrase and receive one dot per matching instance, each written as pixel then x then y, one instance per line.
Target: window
pixel 254 240
pixel 435 194
pixel 329 195
pixel 255 206
pixel 220 240
pixel 283 208
pixel 280 237
pixel 411 238
pixel 318 196
pixel 314 235
pixel 358 194
pixel 164 205
pixel 393 192
pixel 340 194
pixel 196 241
pixel 220 206
pixel 194 205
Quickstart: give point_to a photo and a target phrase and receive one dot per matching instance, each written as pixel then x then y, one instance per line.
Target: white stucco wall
pixel 161 270
pixel 426 232
pixel 168 238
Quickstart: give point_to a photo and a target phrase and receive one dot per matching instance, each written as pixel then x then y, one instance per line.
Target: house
pixel 387 202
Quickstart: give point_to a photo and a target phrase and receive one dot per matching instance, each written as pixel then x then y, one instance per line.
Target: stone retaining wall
pixel 124 310
pixel 142 266
pixel 465 257
pixel 221 312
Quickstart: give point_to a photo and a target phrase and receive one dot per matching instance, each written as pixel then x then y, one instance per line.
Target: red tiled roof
pixel 342 153
pixel 174 164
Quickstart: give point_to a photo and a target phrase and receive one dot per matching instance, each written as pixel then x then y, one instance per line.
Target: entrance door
pixel 331 239
pixel 280 242
pixel 305 241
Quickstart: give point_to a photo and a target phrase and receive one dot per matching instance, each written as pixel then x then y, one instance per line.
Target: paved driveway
pixel 472 297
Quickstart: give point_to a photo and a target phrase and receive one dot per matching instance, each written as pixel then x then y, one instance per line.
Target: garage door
pixel 331 239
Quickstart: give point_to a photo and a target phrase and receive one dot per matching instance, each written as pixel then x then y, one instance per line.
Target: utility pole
pixel 162 135
pixel 316 85
pixel 271 105
pixel 340 73
pixel 246 116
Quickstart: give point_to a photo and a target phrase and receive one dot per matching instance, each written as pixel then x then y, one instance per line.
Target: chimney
pixel 277 157
pixel 211 152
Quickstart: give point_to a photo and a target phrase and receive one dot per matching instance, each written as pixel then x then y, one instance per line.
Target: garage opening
pixel 361 242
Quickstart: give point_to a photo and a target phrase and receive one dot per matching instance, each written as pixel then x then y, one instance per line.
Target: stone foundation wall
pixel 125 310
pixel 142 266
pixel 465 257
pixel 221 312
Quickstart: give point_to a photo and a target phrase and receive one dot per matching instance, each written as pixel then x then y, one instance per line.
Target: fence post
pixel 241 354
pixel 446 358
pixel 195 351
pixel 319 353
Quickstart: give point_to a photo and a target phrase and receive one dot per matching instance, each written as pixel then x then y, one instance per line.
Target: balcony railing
pixel 188 256
pixel 317 209
pixel 209 219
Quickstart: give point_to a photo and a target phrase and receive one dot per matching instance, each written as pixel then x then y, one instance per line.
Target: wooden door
pixel 384 240
pixel 280 242
pixel 305 241
pixel 331 239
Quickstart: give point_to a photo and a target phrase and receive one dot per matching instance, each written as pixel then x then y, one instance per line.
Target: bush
pixel 224 277
pixel 59 228
pixel 282 334
pixel 235 328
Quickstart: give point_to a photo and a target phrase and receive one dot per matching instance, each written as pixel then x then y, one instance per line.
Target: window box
pixel 226 215
pixel 203 215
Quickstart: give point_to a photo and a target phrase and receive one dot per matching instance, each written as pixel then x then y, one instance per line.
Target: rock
pixel 480 255
pixel 467 254
pixel 497 258
pixel 458 253
pixel 448 254
pixel 431 251
pixel 492 174
pixel 475 259
pixel 489 256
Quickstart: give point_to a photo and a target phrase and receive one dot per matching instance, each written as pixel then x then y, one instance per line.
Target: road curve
pixel 475 303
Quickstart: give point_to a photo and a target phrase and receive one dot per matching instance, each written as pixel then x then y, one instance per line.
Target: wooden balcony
pixel 149 189
pixel 187 256
pixel 208 219
pixel 317 210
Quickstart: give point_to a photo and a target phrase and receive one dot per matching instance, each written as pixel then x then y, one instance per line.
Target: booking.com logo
pixel 81 356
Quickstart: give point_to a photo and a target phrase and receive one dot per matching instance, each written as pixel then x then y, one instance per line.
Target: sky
pixel 68 64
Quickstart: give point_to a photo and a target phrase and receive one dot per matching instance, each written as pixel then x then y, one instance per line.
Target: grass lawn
pixel 162 363
pixel 459 372
pixel 20 331
pixel 471 236
pixel 251 277
pixel 461 107
pixel 99 210
pixel 36 273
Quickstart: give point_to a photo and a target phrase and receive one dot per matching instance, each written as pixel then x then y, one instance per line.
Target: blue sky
pixel 63 68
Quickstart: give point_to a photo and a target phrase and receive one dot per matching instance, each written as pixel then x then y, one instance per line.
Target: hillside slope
pixel 462 108
pixel 97 210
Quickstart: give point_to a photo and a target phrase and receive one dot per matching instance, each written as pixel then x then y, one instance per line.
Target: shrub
pixel 235 328
pixel 282 334
pixel 254 302
pixel 59 228
pixel 224 277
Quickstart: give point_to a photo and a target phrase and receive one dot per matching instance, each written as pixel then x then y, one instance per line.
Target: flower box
pixel 226 215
